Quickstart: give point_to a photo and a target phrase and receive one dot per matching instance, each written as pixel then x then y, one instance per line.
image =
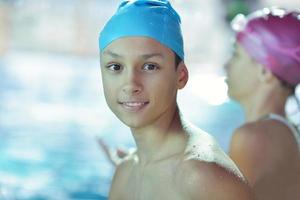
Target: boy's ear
pixel 183 75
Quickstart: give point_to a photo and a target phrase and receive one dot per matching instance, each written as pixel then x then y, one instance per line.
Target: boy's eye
pixel 150 67
pixel 114 67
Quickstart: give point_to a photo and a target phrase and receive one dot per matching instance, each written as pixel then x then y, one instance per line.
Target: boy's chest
pixel 148 185
pixel 149 190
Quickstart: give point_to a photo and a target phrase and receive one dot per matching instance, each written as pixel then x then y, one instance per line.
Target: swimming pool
pixel 51 113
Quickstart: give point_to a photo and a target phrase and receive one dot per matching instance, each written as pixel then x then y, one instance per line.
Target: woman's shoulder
pixel 270 135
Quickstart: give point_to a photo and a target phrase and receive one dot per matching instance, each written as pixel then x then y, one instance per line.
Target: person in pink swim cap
pixel 261 74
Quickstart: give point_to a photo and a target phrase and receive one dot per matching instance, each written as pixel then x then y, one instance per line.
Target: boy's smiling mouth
pixel 133 106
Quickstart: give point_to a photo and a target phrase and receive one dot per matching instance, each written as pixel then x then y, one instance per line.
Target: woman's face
pixel 242 74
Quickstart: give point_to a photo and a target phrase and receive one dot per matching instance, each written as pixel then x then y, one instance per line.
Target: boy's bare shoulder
pixel 206 172
pixel 203 147
pixel 209 180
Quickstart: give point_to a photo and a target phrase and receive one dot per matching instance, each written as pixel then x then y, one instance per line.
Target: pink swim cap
pixel 271 36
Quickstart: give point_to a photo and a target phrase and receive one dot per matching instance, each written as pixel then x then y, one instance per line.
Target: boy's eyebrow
pixel 112 54
pixel 147 56
pixel 144 56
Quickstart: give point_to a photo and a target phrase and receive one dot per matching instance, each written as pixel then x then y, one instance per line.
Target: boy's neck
pixel 161 140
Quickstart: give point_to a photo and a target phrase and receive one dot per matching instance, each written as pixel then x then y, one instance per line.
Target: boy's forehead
pixel 136 45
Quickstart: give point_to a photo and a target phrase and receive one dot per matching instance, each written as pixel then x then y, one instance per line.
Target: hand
pixel 115 156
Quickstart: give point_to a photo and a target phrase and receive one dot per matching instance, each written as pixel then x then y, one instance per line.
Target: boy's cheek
pixel 110 100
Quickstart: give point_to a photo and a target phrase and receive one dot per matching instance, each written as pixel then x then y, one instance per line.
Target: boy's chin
pixel 134 123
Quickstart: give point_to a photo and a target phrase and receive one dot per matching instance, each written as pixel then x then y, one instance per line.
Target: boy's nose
pixel 132 85
pixel 131 89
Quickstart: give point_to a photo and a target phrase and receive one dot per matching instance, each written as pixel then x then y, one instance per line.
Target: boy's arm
pixel 114 188
pixel 119 180
pixel 202 180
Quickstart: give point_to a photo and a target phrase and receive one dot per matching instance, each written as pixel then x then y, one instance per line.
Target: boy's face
pixel 140 80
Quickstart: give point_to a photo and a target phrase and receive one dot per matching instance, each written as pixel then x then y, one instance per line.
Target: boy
pixel 142 67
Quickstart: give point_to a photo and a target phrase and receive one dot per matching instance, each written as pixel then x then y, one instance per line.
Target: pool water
pixel 52 111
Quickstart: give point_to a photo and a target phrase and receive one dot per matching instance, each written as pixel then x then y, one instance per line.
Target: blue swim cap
pixel 149 18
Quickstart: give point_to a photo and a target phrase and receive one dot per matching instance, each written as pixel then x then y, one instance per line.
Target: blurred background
pixel 52 108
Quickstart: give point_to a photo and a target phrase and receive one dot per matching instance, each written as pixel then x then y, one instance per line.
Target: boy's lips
pixel 133 106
